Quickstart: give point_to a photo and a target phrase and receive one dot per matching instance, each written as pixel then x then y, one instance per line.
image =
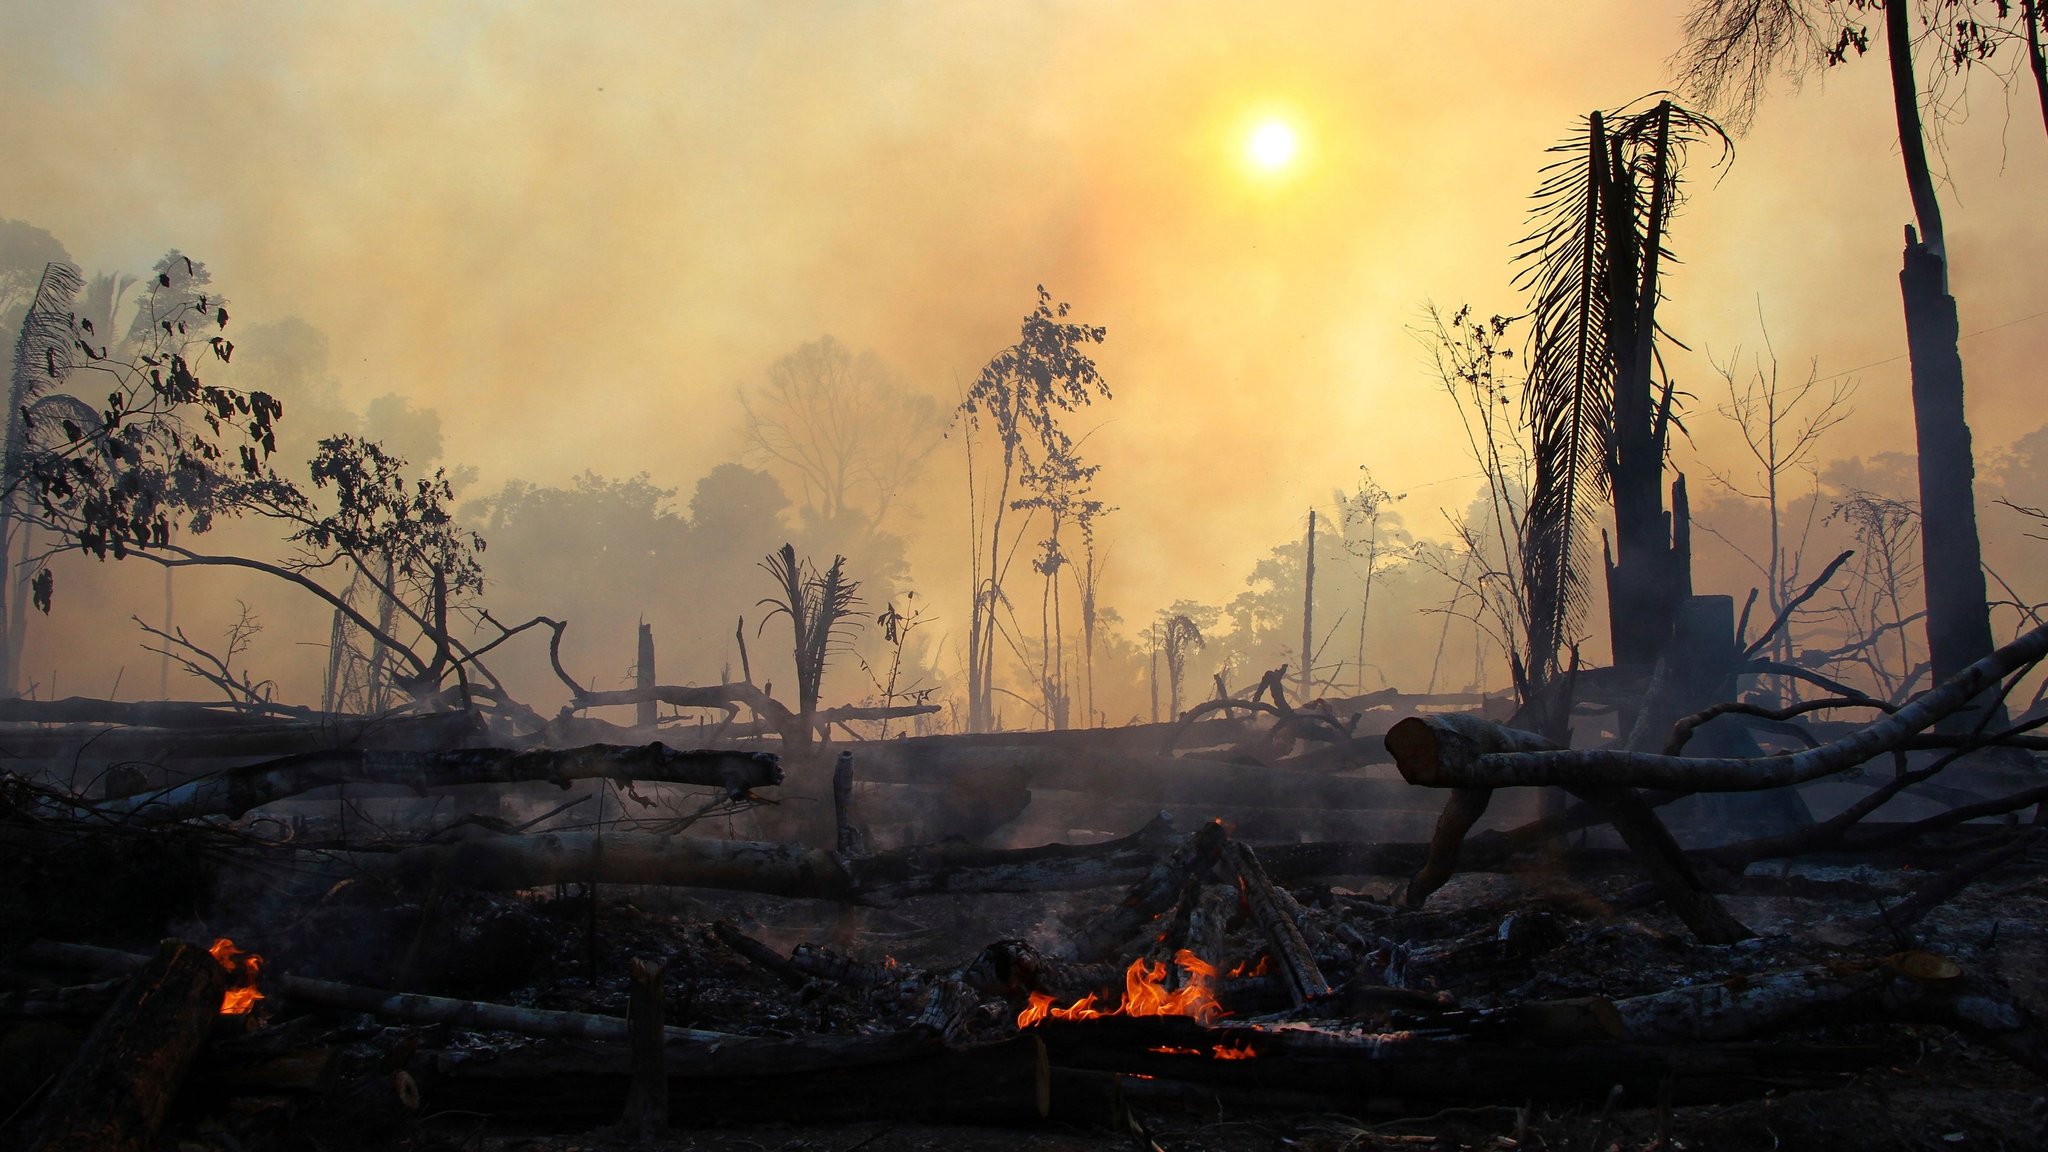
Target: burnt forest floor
pixel 1593 934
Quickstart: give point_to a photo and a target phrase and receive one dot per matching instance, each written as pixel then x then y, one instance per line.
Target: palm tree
pixel 1599 417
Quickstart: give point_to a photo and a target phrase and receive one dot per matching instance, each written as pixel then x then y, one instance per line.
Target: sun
pixel 1272 146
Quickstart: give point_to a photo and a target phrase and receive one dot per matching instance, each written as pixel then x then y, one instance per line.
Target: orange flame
pixel 244 968
pixel 1264 965
pixel 1145 994
pixel 1239 1051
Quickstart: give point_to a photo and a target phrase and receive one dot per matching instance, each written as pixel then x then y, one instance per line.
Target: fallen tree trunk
pixel 270 738
pixel 1448 752
pixel 472 1015
pixel 494 861
pixel 236 791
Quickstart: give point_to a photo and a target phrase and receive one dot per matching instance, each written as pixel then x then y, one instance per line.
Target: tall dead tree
pixel 1958 612
pixel 1308 612
pixel 1732 49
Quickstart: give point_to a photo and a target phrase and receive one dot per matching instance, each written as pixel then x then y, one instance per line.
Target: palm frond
pixel 1569 394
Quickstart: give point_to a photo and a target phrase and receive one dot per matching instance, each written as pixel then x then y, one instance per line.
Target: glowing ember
pixel 1145 994
pixel 1241 1051
pixel 1264 965
pixel 243 969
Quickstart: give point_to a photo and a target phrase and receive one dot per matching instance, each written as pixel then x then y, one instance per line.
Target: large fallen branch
pixel 1451 752
pixel 237 790
pixel 497 861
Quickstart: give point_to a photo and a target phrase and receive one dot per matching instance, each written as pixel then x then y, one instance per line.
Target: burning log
pixel 237 790
pixel 116 1092
pixel 1276 913
pixel 409 1006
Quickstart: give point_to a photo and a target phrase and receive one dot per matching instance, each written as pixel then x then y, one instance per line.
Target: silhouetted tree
pixel 1361 515
pixel 818 605
pixel 1059 486
pixel 1733 47
pixel 843 428
pixel 1781 424
pixel 1180 633
pixel 1020 394
pixel 1599 417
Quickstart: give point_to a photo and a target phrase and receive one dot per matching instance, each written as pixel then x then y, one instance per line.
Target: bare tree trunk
pixel 1308 613
pixel 2037 61
pixel 645 713
pixel 1958 615
pixel 1155 683
pixel 1647 580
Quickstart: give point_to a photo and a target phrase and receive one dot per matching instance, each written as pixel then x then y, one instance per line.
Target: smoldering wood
pixel 236 791
pixel 409 1006
pixel 1069 1071
pixel 115 1094
pixel 1292 955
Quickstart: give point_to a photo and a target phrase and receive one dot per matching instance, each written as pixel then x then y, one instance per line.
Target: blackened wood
pixel 412 1006
pixel 1677 883
pixel 759 955
pixel 851 842
pixel 646 1112
pixel 1462 809
pixel 1292 955
pixel 237 790
pixel 1437 754
pixel 1150 897
pixel 114 1096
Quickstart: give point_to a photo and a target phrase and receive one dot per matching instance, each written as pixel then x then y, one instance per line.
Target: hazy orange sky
pixel 576 229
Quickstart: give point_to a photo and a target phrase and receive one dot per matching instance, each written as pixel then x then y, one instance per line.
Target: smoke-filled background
pixel 572 253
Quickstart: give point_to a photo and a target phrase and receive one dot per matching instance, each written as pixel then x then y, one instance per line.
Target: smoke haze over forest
pixel 551 248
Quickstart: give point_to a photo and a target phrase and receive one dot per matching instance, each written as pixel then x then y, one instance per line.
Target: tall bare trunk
pixel 1958 614
pixel 1308 613
pixel 643 676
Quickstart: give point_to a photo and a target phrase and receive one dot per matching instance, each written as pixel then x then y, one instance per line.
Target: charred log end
pixel 1413 745
pixel 118 1089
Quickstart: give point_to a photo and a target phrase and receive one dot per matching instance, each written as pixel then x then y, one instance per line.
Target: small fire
pixel 244 969
pixel 1145 994
pixel 1264 965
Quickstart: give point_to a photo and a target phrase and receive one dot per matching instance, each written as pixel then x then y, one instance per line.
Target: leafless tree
pixel 841 426
pixel 1781 425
